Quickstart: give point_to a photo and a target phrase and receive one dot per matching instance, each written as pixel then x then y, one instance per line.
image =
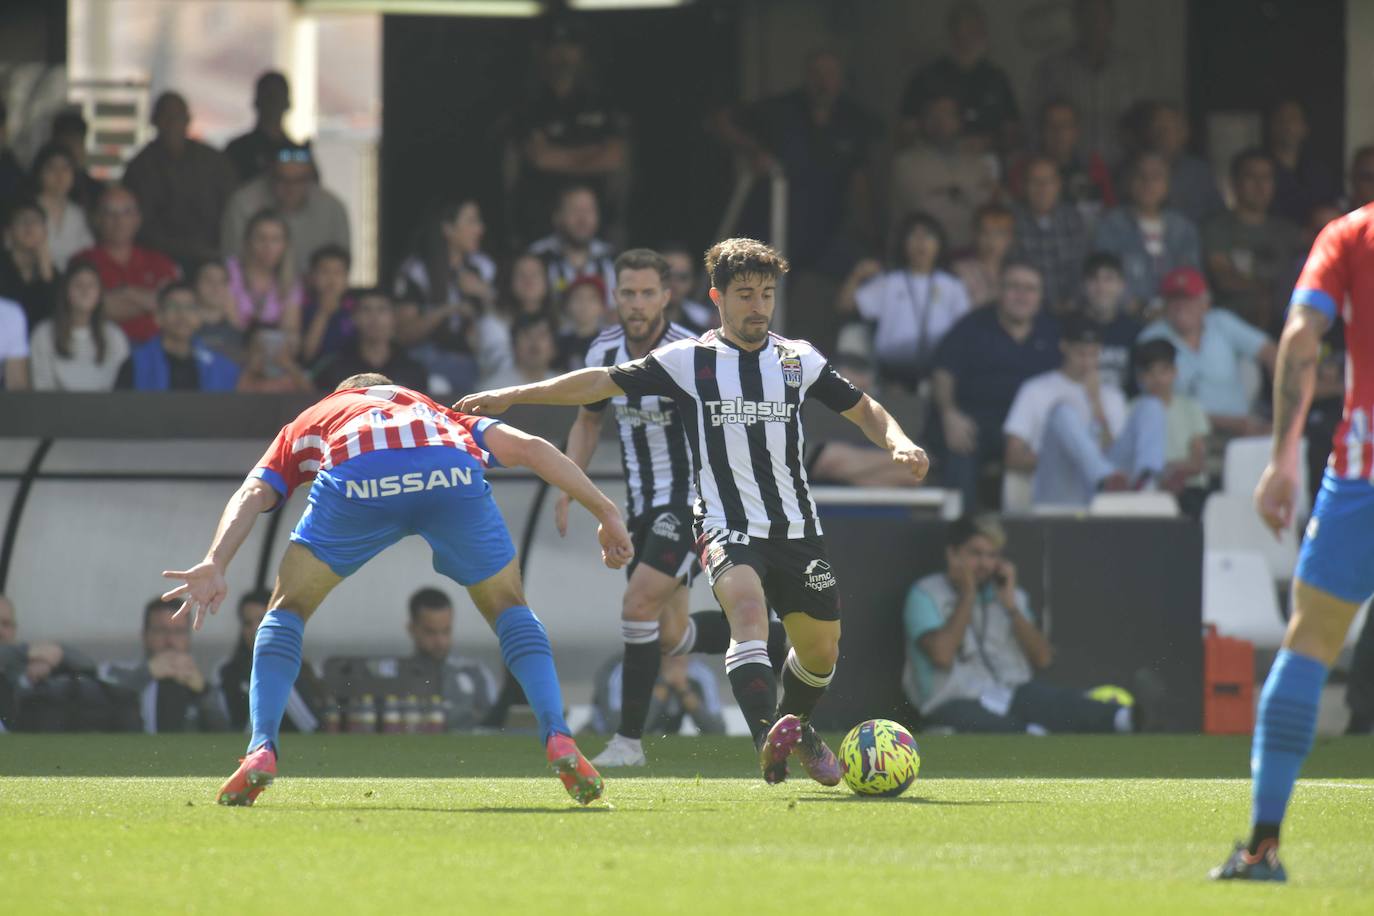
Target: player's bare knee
pixel 819 655
pixel 495 594
pixel 669 635
pixel 748 620
pixel 1319 624
pixel 643 600
pixel 640 607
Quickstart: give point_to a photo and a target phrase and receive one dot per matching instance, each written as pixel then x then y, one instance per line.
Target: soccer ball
pixel 879 758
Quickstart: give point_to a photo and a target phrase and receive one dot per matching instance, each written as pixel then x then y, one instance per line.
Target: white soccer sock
pixel 809 678
pixel 688 640
pixel 638 632
pixel 1122 722
pixel 749 652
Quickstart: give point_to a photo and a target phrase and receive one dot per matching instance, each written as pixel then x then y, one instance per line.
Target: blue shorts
pixel 368 503
pixel 1338 552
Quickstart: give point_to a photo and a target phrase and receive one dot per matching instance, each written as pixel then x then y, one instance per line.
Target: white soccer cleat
pixel 621 752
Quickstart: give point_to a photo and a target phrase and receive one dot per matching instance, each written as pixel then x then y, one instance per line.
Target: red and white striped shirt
pixel 361 420
pixel 1338 280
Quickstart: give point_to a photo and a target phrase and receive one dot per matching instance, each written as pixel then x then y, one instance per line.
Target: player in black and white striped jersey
pixel 740 390
pixel 659 481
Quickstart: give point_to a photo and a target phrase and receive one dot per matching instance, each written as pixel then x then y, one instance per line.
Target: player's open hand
pixel 202 590
pixel 1275 497
pixel 616 547
pixel 914 459
pixel 489 403
pixel 560 514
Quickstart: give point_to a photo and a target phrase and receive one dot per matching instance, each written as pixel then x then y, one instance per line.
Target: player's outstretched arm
pixel 585 386
pixel 514 448
pixel 586 430
pixel 203 586
pixel 1295 378
pixel 886 433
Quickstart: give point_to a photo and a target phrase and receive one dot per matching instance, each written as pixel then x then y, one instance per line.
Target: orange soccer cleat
pixel 255 773
pixel 579 777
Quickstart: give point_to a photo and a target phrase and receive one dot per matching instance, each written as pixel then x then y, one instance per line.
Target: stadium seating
pixel 1229 521
pixel 1238 597
pixel 1016 492
pixel 1154 504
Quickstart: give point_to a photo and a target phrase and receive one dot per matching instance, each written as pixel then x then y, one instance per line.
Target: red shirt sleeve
pixel 476 427
pixel 1325 280
pixel 283 466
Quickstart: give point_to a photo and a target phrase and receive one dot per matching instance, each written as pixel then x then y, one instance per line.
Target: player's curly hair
pixel 741 258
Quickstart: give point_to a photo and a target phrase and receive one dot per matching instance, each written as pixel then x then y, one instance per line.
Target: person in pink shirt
pixel 262 278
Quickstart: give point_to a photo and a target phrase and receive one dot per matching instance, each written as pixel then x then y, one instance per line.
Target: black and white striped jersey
pixel 742 411
pixel 653 442
pixel 600 264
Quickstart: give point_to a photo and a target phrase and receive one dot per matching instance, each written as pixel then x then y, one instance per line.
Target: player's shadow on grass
pixel 913 800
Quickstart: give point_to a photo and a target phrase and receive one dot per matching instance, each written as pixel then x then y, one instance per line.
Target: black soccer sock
pixel 712 633
pixel 801 689
pixel 1260 835
pixel 777 645
pixel 638 675
pixel 754 685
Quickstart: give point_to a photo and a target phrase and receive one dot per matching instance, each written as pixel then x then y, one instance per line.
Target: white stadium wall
pixel 88 555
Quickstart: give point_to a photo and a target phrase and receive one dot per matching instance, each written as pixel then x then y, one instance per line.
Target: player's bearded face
pixel 640 298
pixel 746 307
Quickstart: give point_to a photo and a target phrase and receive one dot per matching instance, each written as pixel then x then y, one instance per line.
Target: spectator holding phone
pixel 973 647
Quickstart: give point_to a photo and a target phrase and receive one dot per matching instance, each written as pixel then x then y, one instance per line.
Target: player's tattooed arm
pixel 585 386
pixel 1295 378
pixel 885 432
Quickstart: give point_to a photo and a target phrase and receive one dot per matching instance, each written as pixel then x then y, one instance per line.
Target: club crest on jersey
pixel 791 371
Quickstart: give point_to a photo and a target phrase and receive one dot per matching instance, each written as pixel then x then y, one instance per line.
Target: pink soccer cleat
pixel 255 773
pixel 782 739
pixel 817 758
pixel 579 777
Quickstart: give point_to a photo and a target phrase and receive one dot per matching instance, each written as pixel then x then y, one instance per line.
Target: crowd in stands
pixel 1005 252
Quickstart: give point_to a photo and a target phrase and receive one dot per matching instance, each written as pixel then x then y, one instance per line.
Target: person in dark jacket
pixel 305 705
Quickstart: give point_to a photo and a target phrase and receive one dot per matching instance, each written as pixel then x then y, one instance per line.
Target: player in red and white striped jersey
pixel 385 462
pixel 1335 572
pixel 347 424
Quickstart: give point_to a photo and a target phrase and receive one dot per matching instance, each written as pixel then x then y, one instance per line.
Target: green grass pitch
pixel 476 825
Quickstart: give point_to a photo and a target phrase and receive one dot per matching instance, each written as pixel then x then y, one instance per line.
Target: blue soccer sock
pixel 527 653
pixel 1283 737
pixel 276 662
